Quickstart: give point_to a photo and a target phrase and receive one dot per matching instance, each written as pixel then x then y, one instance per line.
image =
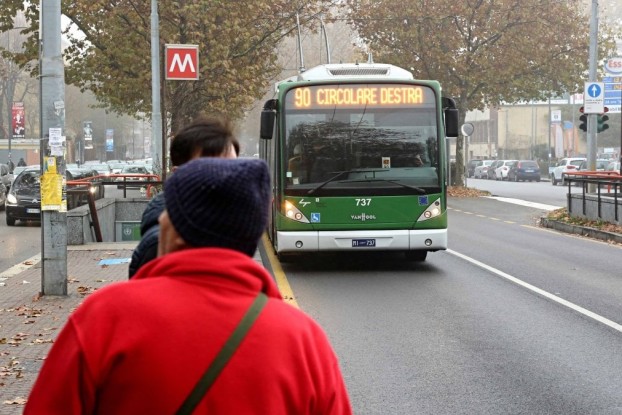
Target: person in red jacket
pixel 140 346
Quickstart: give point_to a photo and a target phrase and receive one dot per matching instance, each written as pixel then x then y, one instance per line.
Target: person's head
pixel 205 137
pixel 215 202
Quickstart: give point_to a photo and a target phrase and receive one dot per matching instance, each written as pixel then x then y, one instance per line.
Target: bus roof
pixel 343 71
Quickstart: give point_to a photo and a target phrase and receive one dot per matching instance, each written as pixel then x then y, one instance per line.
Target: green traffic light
pixel 602 123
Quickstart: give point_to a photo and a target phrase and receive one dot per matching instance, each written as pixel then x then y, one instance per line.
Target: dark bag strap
pixel 223 356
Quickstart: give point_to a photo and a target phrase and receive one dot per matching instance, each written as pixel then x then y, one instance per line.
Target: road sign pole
pixel 591 119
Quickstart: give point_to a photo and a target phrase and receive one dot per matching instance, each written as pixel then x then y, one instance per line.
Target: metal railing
pixel 88 187
pixel 149 181
pixel 609 181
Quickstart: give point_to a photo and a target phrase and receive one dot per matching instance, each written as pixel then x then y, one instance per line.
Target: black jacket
pixel 147 248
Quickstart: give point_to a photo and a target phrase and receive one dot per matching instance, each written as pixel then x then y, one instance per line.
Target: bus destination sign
pixel 361 96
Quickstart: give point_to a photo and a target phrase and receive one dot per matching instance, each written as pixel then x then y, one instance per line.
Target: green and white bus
pixel 358 159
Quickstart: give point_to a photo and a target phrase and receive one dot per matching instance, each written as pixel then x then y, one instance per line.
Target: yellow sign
pixel 51 191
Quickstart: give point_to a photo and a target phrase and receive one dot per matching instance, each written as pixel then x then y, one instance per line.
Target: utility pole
pixel 591 118
pixel 53 194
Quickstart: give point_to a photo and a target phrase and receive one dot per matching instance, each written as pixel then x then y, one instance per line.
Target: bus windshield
pixel 362 138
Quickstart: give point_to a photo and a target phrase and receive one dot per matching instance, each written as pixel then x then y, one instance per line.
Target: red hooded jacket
pixel 140 346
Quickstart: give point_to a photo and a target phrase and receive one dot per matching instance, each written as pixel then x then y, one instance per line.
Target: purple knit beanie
pixel 220 202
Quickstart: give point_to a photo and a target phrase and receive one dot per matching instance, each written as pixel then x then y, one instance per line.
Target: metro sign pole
pixel 181 64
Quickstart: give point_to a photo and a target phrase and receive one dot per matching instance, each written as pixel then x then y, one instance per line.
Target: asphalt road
pixel 512 319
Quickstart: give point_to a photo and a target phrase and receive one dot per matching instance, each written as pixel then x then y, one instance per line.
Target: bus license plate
pixel 356 243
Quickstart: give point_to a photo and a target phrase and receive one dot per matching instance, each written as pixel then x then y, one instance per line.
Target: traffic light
pixel 583 125
pixel 602 123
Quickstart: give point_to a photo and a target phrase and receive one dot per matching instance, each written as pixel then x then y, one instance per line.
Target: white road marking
pixel 546 294
pixel 525 203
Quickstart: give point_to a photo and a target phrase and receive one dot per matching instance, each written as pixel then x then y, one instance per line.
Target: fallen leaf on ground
pixel 17 401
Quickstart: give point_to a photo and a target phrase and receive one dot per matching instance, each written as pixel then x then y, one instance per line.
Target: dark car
pixel 524 170
pixel 23 201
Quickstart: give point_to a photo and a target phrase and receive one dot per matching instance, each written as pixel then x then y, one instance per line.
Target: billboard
pixel 87 130
pixel 18 126
pixel 109 140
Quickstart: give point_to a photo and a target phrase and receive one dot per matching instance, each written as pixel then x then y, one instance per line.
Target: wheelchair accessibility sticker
pixel 423 200
pixel 315 217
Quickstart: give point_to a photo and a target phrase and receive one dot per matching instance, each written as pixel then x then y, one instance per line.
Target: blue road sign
pixel 594 90
pixel 593 98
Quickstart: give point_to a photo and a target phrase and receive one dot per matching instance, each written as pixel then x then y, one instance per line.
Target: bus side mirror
pixel 451 122
pixel 268 115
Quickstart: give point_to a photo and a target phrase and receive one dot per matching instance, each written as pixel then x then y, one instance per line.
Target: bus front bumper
pixel 391 240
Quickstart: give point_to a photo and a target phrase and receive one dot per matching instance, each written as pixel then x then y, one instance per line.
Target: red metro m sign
pixel 182 62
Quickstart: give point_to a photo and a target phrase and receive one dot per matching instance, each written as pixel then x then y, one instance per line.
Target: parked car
pixel 75 172
pixel 502 169
pixel 524 170
pixel 564 166
pixel 471 165
pixel 116 168
pixel 102 169
pixel 132 173
pixel 3 195
pixel 613 166
pixel 601 165
pixel 481 171
pixel 491 173
pixel 23 201
pixel 5 176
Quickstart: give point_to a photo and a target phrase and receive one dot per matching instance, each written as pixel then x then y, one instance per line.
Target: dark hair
pixel 210 136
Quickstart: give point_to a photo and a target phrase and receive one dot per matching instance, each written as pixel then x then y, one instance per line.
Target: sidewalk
pixel 30 323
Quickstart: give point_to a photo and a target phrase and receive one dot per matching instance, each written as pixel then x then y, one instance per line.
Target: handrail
pixel 111 180
pixel 83 186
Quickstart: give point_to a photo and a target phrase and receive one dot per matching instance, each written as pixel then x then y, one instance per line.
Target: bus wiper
pixel 335 177
pixel 417 189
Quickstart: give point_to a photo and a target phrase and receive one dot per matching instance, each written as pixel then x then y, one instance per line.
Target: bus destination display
pixel 360 96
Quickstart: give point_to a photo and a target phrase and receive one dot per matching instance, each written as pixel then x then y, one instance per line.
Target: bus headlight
pixel 293 213
pixel 432 211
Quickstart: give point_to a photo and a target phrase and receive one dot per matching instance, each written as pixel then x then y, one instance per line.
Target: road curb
pixel 581 230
